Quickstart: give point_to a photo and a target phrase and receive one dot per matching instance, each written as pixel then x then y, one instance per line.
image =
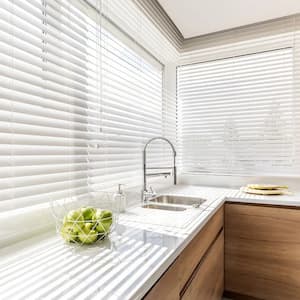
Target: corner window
pixel 239 115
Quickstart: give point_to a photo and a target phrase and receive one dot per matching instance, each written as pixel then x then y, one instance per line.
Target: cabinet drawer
pixel 175 278
pixel 207 282
pixel 193 253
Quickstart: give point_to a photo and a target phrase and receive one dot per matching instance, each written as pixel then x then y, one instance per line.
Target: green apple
pixel 77 227
pixel 89 226
pixel 104 220
pixel 97 216
pixel 75 220
pixel 75 216
pixel 106 215
pixel 68 233
pixel 88 237
pixel 103 227
pixel 88 213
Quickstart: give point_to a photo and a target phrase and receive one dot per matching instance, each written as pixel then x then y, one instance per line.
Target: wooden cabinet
pixel 262 251
pixel 175 280
pixel 262 257
pixel 207 282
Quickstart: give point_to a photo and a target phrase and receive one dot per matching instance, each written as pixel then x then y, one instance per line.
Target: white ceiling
pixel 198 17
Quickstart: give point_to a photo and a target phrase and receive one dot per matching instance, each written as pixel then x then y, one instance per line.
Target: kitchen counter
pixel 124 267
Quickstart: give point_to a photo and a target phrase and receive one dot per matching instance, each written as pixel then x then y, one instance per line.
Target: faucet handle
pixel 148 194
pixel 152 191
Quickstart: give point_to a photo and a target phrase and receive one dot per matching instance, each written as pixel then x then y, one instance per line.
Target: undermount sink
pixel 164 207
pixel 180 200
pixel 180 210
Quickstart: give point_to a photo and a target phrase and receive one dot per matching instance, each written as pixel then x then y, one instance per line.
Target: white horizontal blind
pixel 79 99
pixel 135 105
pixel 131 114
pixel 49 100
pixel 239 115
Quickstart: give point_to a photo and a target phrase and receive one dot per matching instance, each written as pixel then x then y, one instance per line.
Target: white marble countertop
pixel 124 267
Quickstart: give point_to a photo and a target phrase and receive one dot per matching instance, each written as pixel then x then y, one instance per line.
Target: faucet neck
pixel 145 162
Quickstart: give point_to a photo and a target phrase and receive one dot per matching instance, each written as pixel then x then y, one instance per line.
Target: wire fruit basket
pixel 84 221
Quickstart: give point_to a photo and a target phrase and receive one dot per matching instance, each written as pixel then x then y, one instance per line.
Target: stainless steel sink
pixel 164 207
pixel 181 200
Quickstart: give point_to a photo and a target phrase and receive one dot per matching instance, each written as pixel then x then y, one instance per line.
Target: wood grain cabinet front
pixel 262 251
pixel 207 282
pixel 176 278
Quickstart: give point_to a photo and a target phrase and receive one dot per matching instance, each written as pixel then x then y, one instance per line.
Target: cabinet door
pixel 262 251
pixel 175 278
pixel 207 282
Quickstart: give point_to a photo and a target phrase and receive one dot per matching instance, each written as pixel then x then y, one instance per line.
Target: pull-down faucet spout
pixel 145 189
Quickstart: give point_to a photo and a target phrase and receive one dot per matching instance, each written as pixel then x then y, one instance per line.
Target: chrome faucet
pixel 148 193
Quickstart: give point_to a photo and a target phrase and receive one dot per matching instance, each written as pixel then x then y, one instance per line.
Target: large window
pixel 239 115
pixel 77 103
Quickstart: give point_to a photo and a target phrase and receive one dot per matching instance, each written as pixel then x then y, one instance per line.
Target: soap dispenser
pixel 119 199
